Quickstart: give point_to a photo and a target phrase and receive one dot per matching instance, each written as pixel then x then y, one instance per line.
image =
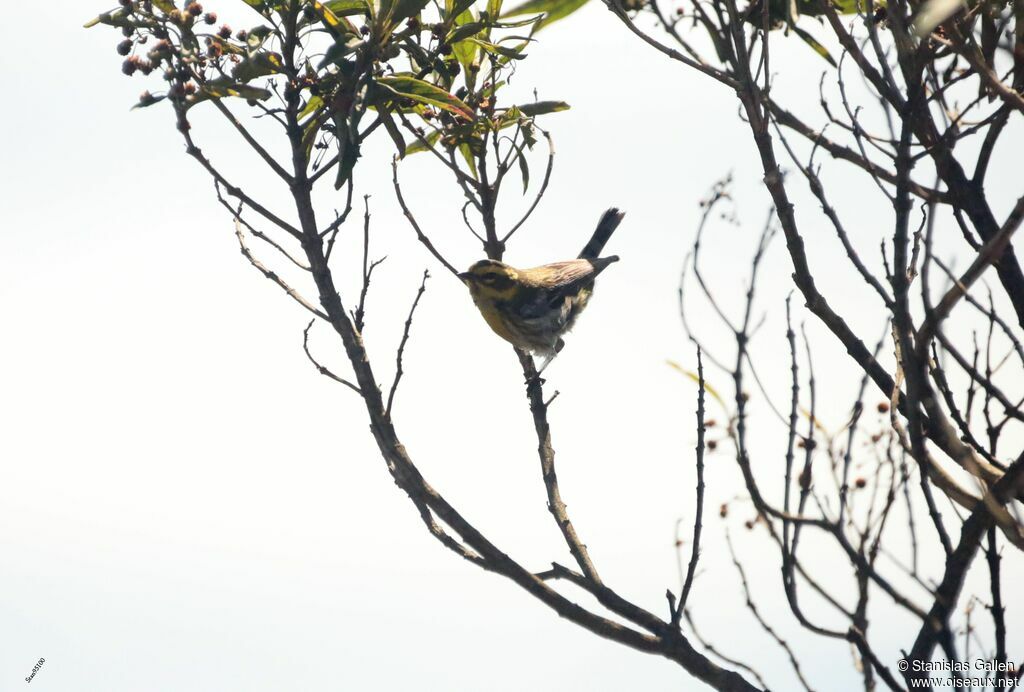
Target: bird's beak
pixel 465 277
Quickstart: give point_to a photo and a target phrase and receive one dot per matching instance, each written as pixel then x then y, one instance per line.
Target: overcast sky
pixel 187 505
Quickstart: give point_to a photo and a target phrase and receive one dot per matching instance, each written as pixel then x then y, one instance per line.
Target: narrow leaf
pixel 339 49
pixel 313 104
pixel 116 17
pixel 524 169
pixel 259 65
pixel 419 146
pixel 552 9
pixel 542 107
pixel 467 154
pixel 396 134
pixel 497 50
pixel 424 92
pixel 815 46
pixel 345 8
pixel 693 376
pixel 457 7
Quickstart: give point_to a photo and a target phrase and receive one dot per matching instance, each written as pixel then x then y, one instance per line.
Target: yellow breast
pixel 498 323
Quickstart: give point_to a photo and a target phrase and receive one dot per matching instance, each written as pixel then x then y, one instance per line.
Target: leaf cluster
pixel 431 71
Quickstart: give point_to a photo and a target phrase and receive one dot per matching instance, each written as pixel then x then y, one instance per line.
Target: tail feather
pixel 605 227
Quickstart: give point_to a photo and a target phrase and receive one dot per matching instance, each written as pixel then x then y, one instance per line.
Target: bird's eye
pixel 489 278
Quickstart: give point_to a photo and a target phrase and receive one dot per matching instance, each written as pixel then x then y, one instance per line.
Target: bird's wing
pixel 548 287
pixel 558 275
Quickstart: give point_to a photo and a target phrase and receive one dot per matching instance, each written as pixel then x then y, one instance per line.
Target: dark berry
pixel 124 47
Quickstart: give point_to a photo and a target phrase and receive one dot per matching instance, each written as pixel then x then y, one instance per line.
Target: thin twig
pixel 415 225
pixel 295 295
pixel 401 345
pixel 320 368
pixel 691 569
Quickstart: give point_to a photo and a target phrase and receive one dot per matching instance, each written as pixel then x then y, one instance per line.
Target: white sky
pixel 186 504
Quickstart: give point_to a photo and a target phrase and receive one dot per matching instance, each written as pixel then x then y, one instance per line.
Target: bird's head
pixel 491 279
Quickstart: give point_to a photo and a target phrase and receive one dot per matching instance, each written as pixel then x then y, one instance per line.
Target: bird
pixel 533 308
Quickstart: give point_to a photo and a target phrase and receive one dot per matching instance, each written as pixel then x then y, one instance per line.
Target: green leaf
pixel 419 145
pixel 453 8
pixel 553 9
pixel 264 7
pixel 228 46
pixel 424 92
pixel 396 134
pixel 165 5
pixel 221 88
pixel 462 31
pixel 314 104
pixel 404 9
pixel 493 8
pixel 348 149
pixel 465 51
pixel 116 17
pixel 815 46
pixel 338 26
pixel 256 36
pixel 543 107
pixel 517 23
pixel 347 8
pixel 498 50
pixel 467 154
pixel 509 117
pixel 339 49
pixel 524 169
pixel 258 65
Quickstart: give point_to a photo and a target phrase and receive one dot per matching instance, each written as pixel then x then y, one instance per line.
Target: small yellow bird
pixel 532 308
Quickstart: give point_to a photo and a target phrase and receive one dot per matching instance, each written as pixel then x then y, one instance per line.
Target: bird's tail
pixel 605 227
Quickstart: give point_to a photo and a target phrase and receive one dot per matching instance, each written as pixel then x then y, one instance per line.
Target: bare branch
pixel 292 293
pixel 320 368
pixel 405 340
pixel 415 226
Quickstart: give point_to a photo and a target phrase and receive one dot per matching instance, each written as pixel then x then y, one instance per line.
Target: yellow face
pixel 491 280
